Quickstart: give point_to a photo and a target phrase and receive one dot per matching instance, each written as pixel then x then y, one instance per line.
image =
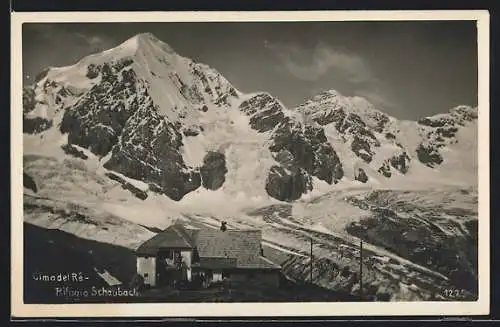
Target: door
pixel 165 267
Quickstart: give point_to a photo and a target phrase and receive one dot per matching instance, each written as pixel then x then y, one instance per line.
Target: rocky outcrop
pixel 401 162
pixel 363 140
pixel 191 130
pixel 265 112
pixel 303 151
pixel 300 149
pixel 32 124
pixel 306 147
pixel 29 101
pixel 326 164
pixel 362 149
pixel 29 183
pixel 390 136
pixel 35 125
pixel 98 118
pixel 380 119
pixel 385 170
pixel 331 108
pixel 213 171
pixel 210 84
pixel 148 150
pixel 143 195
pixel 286 185
pixel 361 176
pixel 429 155
pixel 92 71
pixel 71 150
pixel 439 131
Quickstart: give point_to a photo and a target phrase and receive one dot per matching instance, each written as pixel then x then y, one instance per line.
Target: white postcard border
pixel 19 309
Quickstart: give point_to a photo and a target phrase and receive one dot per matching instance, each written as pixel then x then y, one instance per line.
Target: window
pixel 167 254
pixel 145 274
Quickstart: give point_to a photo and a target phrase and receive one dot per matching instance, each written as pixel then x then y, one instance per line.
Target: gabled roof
pixel 241 245
pixel 217 263
pixel 175 236
pixel 215 248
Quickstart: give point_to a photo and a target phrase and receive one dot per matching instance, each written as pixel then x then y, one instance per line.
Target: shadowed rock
pixel 143 195
pixel 302 149
pixel 213 172
pixel 29 183
pixel 401 162
pixel 29 101
pixel 429 155
pixel 287 186
pixel 35 125
pixel 92 71
pixel 385 170
pixel 361 176
pixel 265 112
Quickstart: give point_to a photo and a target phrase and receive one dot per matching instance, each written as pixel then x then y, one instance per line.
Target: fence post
pixel 361 269
pixel 311 272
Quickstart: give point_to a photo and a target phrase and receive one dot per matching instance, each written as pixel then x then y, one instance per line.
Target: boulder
pixel 429 155
pixel 213 171
pixel 285 185
pixel 385 170
pixel 400 162
pixel 361 176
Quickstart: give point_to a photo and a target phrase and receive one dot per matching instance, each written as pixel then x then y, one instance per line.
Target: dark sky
pixel 408 69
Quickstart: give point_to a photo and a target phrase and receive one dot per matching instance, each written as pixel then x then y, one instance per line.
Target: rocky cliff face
pixel 380 141
pixel 300 150
pixel 440 131
pixel 140 107
pixel 119 119
pixel 213 172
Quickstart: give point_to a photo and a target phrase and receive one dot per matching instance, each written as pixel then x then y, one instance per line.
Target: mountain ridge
pixel 102 101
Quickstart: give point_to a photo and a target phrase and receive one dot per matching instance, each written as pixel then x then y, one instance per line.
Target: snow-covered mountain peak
pixel 179 87
pixel 464 112
pixel 330 105
pixel 153 115
pixel 327 94
pixel 459 115
pixel 325 97
pixel 138 42
pixel 148 37
pixel 329 100
pixel 142 43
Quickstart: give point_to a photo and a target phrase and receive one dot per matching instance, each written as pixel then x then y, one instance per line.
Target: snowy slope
pixel 190 100
pixel 178 98
pixel 389 150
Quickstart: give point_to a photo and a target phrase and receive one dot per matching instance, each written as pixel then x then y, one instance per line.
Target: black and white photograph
pixel 250 161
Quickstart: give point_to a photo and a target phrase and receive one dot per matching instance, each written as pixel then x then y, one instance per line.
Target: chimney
pixel 223 226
